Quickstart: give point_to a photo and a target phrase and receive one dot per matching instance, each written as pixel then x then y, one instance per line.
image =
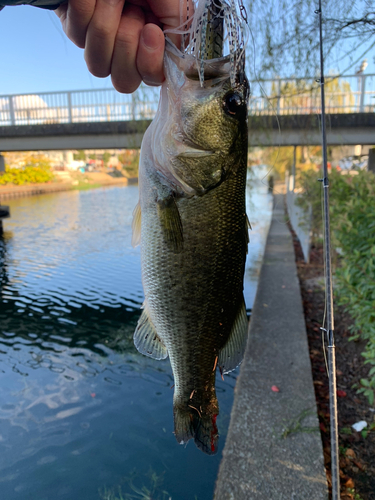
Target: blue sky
pixel 36 55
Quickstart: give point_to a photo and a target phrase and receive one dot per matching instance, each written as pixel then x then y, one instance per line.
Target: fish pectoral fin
pixel 147 341
pixel 233 351
pixel 170 220
pixel 136 225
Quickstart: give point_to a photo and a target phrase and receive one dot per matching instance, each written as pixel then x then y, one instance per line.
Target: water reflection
pixel 79 407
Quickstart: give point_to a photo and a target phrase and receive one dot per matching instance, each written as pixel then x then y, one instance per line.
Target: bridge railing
pixel 344 94
pixel 102 105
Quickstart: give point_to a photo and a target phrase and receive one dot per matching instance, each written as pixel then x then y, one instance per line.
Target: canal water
pixel 82 414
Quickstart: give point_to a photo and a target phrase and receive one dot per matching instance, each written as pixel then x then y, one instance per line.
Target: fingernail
pixel 152 83
pixel 150 37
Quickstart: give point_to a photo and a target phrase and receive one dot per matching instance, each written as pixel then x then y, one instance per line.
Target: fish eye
pixel 233 103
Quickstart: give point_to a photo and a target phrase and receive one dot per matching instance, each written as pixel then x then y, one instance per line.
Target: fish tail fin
pixel 206 434
pixel 190 423
pixel 183 425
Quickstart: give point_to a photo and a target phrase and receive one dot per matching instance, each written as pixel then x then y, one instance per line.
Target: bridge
pixel 281 112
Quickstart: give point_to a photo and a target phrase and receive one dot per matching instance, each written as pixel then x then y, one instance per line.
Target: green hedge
pixel 352 210
pixel 27 175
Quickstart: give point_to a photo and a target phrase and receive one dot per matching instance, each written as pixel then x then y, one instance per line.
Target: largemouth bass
pixel 192 225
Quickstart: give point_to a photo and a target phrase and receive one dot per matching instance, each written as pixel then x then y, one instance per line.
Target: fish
pixel 192 225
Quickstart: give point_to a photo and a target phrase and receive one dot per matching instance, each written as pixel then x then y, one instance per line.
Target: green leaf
pixel 346 430
pixel 364 433
pixel 371 397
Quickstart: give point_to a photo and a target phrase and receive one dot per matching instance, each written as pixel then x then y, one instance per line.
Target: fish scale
pixel 194 235
pixel 188 311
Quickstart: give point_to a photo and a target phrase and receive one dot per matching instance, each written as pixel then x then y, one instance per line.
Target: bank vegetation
pixel 36 169
pixel 352 212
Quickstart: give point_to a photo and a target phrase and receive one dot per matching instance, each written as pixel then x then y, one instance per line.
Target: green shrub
pixel 130 162
pixel 352 210
pixel 30 174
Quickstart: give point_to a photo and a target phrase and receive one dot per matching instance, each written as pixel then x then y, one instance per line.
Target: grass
pixel 355 495
pixel 151 490
pixel 295 425
pixel 85 186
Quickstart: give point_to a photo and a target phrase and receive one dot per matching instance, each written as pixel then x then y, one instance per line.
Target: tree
pixel 284 37
pixel 130 162
pixel 106 157
pixel 281 158
pixel 301 96
pixel 80 155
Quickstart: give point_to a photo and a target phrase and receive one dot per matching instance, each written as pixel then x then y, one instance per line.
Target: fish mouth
pixel 215 71
pixel 218 68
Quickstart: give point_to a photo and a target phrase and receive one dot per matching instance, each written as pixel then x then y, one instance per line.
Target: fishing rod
pixel 328 286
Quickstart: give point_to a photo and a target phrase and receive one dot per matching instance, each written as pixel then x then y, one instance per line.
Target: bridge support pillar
pixel 292 173
pixel 294 168
pixel 371 160
pixel 4 211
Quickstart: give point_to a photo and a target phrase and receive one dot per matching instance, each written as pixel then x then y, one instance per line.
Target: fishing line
pixel 269 102
pixel 328 286
pixel 244 16
pixel 322 329
pixel 263 92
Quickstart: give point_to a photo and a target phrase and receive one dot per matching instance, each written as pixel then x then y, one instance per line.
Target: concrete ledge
pixel 68 129
pixel 7 192
pixel 273 450
pixel 312 122
pixel 350 128
pixel 61 136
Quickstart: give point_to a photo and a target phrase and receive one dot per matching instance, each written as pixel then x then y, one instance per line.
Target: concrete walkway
pixel 273 450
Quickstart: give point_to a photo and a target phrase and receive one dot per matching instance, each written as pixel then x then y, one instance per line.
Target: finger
pixel 75 18
pixel 167 11
pixel 150 55
pixel 101 34
pixel 151 18
pixel 169 15
pixel 61 13
pixel 125 76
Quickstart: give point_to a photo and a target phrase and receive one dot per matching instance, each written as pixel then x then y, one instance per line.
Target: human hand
pixel 121 38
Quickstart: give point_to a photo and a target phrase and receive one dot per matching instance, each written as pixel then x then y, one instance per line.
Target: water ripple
pixel 71 379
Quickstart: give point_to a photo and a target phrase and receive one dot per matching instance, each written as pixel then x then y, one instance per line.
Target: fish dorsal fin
pixel 232 353
pixel 136 225
pixel 170 220
pixel 146 340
